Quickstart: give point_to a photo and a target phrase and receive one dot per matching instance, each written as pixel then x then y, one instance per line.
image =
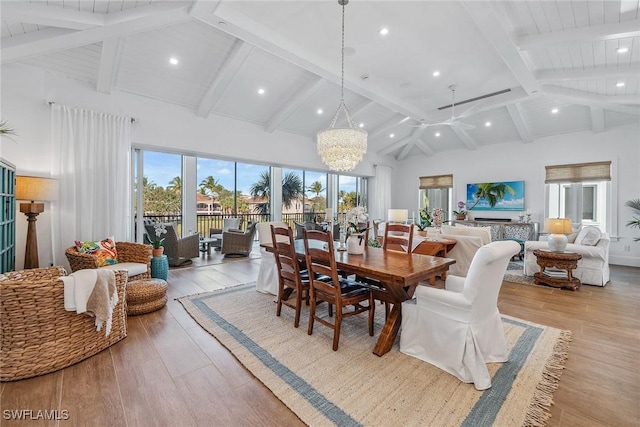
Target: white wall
pixel 516 162
pixel 25 91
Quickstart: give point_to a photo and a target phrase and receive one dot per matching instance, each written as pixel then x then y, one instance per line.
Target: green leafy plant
pixel 425 219
pixel 374 243
pixel 635 222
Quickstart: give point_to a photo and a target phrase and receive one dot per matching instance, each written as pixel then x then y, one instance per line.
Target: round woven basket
pixel 145 296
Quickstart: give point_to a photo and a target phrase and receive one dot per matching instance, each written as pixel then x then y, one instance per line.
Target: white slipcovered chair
pixel 459 329
pixel 267 281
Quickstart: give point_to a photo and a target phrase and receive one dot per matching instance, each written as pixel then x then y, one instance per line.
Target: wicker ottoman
pixel 145 296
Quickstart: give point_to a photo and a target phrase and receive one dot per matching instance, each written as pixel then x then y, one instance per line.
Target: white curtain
pixel 91 159
pixel 381 192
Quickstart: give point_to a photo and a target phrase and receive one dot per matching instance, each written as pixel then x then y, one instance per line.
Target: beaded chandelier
pixel 342 148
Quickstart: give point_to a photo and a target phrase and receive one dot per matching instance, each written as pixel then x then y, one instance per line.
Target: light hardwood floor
pixel 170 372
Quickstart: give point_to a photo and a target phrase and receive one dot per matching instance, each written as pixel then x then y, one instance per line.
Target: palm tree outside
pixel 291 190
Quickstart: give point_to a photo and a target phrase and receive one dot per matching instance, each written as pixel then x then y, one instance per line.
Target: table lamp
pixel 36 190
pixel 558 229
pixel 398 215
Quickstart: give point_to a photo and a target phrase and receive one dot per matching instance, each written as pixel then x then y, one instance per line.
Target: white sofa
pixel 469 240
pixel 593 268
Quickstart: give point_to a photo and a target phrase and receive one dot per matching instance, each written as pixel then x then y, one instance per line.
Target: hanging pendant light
pixel 342 148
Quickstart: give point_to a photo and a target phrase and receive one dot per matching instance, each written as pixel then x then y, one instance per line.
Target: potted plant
pixel 159 229
pixel 635 222
pixel 425 221
pixel 460 214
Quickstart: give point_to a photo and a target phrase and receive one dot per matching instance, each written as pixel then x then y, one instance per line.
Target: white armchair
pixel 267 281
pixel 459 329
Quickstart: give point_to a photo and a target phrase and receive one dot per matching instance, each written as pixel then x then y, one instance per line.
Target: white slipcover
pixel 459 329
pixel 267 281
pixel 463 252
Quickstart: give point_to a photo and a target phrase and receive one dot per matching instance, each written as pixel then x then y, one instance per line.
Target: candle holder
pixel 528 218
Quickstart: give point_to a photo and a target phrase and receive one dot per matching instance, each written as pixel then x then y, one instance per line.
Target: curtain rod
pixel 133 119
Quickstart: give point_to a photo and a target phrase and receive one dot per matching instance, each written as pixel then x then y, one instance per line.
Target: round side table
pixel 160 267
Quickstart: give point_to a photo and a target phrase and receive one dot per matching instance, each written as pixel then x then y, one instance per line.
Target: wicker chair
pixel 127 252
pixel 178 250
pixel 38 335
pixel 238 243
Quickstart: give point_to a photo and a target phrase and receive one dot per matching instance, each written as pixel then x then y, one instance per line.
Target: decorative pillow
pixel 588 236
pixel 103 250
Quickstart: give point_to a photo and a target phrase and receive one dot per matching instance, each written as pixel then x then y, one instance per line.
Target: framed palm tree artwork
pixel 496 196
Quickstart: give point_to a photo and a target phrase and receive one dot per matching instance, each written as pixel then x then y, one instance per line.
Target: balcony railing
pixel 205 222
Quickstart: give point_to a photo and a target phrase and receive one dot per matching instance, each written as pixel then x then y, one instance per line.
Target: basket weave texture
pixel 145 296
pixel 127 252
pixel 38 335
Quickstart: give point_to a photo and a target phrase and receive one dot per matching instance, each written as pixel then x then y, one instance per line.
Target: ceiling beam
pixel 293 103
pixel 149 21
pixel 389 124
pixel 239 54
pixel 465 138
pixel 425 148
pixel 361 108
pixel 417 133
pixel 109 59
pixel 597 119
pixel 621 71
pixel 50 16
pixel 490 25
pixel 406 150
pixel 516 116
pixel 259 35
pixel 590 99
pixel 602 32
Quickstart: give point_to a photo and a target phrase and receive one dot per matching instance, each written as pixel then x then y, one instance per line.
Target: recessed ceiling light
pixel 392 135
pixel 436 73
pixel 260 91
pixel 320 111
pixel 361 125
pixel 487 124
pixel 622 50
pixel 173 60
pixel 384 31
pixel 554 111
pixel 620 84
pixel 437 134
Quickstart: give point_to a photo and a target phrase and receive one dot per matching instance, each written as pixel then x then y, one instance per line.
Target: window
pixel 436 192
pixel 580 192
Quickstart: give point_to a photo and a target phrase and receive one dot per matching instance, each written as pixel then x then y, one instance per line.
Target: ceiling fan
pixel 455 121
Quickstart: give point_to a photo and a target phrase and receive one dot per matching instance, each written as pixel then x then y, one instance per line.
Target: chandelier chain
pixel 342 63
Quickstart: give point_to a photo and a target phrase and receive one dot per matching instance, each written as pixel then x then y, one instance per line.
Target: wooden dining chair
pixel 340 292
pixel 396 236
pixel 290 279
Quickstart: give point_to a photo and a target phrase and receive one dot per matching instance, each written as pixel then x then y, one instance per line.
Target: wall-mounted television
pixel 512 193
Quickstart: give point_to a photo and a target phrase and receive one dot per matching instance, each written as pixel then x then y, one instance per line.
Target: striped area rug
pixel 354 387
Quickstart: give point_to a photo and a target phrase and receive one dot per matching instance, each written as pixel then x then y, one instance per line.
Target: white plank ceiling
pixel 579 57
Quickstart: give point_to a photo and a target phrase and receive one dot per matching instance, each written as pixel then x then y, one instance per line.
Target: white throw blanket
pixel 93 292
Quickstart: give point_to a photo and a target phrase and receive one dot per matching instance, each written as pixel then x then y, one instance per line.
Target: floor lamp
pixel 36 190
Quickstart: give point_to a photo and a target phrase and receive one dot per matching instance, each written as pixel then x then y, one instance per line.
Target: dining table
pixel 397 273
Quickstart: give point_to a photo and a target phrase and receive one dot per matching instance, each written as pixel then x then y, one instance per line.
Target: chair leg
pixel 336 328
pixel 280 297
pixel 312 314
pixel 372 312
pixel 296 322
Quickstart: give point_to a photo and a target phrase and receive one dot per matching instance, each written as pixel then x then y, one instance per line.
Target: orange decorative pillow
pixel 103 250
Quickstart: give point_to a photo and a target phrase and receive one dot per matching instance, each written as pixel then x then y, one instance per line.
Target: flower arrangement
pixel 461 211
pixel 159 229
pixel 425 219
pixel 355 218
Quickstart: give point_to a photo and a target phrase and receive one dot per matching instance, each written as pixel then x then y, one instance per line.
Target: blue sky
pixel 161 168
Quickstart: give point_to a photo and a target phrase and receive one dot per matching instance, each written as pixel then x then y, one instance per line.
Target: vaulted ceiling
pixel 580 59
